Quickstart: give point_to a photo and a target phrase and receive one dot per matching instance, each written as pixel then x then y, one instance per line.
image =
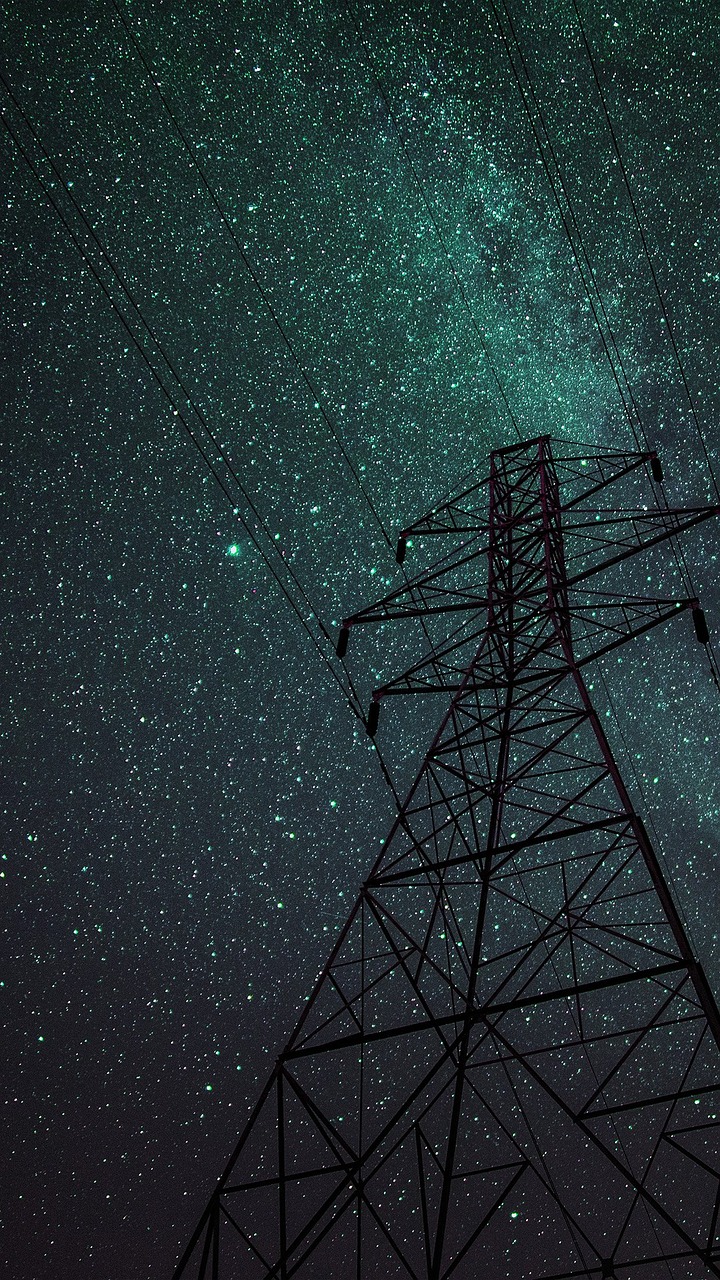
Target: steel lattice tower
pixel 510 1065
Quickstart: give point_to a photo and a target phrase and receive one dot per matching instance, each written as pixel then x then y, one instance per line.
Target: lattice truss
pixel 510 1065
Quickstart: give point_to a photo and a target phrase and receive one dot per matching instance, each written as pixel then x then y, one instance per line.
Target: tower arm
pixel 681 522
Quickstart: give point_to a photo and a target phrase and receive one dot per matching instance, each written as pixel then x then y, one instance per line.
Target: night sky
pixel 189 805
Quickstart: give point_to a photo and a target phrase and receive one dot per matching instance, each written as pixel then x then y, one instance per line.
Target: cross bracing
pixel 510 1065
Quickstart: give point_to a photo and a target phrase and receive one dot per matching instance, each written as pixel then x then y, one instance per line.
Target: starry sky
pixel 332 224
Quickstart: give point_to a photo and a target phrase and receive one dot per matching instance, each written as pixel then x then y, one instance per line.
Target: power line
pixel 211 193
pixel 349 693
pixel 588 277
pixel 199 413
pixel 587 273
pixel 646 249
pixel 457 279
pixel 570 223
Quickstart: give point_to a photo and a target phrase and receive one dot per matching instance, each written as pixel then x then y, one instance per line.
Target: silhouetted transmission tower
pixel 510 1064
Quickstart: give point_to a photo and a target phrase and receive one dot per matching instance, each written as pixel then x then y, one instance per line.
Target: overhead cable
pixel 318 399
pixel 173 400
pixel 646 249
pixel 588 277
pixel 457 279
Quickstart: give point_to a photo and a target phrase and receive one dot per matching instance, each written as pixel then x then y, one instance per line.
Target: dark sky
pixel 188 804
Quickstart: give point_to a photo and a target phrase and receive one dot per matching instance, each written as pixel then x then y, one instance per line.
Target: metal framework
pixel 510 1065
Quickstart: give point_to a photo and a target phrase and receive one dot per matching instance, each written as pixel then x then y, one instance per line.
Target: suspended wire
pixel 678 550
pixel 356 706
pixel 569 222
pixel 646 249
pixel 201 417
pixel 591 287
pixel 627 396
pixel 210 191
pixel 92 232
pixel 212 194
pixel 348 692
pixel 318 399
pixel 456 277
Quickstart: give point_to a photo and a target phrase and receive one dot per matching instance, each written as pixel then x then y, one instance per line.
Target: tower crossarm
pixel 443 588
pixel 609 468
pixel 466 511
pixel 647 529
pixel 437 600
pixel 598 628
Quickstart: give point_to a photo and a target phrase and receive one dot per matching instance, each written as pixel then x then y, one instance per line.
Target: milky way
pixel 361 280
